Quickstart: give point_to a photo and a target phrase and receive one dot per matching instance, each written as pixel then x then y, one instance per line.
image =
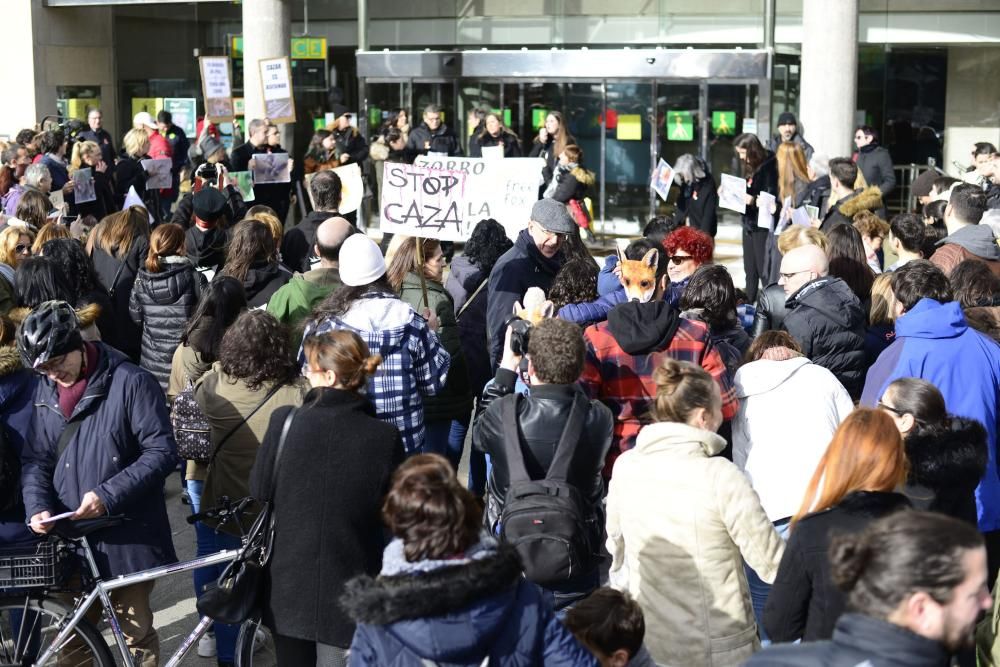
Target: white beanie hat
pixel 361 262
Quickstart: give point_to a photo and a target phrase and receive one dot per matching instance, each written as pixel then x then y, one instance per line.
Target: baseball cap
pixel 553 216
pixel 361 262
pixel 144 119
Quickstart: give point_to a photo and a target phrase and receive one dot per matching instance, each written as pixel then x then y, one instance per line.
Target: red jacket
pixel 624 381
pixel 159 147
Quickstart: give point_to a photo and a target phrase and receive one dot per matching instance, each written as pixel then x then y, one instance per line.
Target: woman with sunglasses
pixel 687 249
pixel 15 245
pixel 947 454
pixel 853 484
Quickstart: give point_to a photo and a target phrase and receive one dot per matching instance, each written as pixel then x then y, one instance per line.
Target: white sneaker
pixel 206 646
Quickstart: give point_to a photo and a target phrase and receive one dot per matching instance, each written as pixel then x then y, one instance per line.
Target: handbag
pixel 191 429
pixel 238 594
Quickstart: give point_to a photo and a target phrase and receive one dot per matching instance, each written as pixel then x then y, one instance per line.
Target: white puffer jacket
pixel 788 413
pixel 679 521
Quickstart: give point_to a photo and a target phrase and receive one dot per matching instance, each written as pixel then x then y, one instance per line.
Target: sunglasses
pixel 677 260
pixel 21 249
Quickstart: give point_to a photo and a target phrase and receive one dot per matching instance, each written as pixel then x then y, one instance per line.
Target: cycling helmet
pixel 50 330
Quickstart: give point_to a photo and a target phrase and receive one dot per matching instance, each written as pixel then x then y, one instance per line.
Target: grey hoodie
pixel 977 239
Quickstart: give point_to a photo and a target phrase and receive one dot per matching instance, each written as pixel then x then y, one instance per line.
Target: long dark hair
pixel 756 153
pixel 341 300
pixel 251 242
pixel 39 279
pixel 848 262
pixel 78 268
pixel 220 305
pixel 486 244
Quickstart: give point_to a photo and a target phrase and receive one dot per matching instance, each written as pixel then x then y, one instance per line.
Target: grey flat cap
pixel 553 216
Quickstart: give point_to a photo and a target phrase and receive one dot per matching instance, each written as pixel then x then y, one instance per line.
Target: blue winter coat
pixel 17 386
pixel 457 616
pixel 934 343
pixel 586 314
pixel 123 451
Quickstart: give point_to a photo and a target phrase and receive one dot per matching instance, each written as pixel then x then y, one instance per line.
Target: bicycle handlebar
pixel 222 513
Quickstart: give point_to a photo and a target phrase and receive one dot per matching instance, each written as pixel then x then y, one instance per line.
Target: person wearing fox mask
pixel 623 353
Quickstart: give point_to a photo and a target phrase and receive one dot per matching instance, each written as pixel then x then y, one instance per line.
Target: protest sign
pixel 157 173
pixel 271 168
pixel 501 189
pixel 216 88
pixel 276 85
pixel 352 187
pixel 424 202
pixel 765 210
pixel 663 178
pixel 83 186
pixel 733 194
pixel 493 152
pixel 243 181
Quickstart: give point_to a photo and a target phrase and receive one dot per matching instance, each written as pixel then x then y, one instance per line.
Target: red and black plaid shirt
pixel 624 382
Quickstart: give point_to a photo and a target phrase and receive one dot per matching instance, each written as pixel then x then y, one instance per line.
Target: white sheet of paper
pixel 800 216
pixel 56 199
pixel 57 517
pixel 662 178
pixel 493 152
pixel 765 219
pixel 734 190
pixel 83 186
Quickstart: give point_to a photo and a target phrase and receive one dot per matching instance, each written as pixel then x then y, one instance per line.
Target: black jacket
pixel 297 243
pixel 100 207
pixel 816 194
pixel 572 183
pixel 441 140
pixel 127 335
pixel 844 210
pixel 769 314
pixel 161 303
pixel 233 212
pixel 262 280
pixel 275 195
pixel 946 464
pixel 206 248
pixel 804 603
pixel 698 203
pixel 351 142
pixel 826 319
pixel 335 470
pixel 463 281
pixel 128 173
pixel 519 268
pixel 858 640
pixel 764 179
pixel 511 144
pixel 541 418
pixel 875 163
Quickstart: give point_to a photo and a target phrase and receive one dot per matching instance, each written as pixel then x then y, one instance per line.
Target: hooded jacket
pixel 804 603
pixel 17 389
pixel 858 640
pixel 622 354
pixel 789 411
pixel 297 245
pixel 969 242
pixel 826 319
pixel 126 336
pixel 946 463
pixel 572 182
pixel 875 163
pixel 294 301
pixel 519 268
pixel 123 451
pixel 844 210
pixel 263 279
pixel 934 343
pixel 161 303
pixel 206 248
pixel 463 281
pixel 459 615
pixel 681 521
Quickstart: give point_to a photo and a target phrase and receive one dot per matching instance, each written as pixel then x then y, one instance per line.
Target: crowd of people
pixel 664 469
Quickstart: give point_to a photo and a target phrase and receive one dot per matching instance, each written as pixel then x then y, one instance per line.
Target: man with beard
pixel 915 584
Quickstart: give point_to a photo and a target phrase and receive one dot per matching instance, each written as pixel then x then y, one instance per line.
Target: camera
pixel 520 330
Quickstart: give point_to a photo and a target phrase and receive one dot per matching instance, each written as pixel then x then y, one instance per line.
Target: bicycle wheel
pixel 28 626
pixel 254 645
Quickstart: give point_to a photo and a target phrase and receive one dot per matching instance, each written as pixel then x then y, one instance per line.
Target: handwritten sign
pixel 501 189
pixel 425 202
pixel 216 88
pixel 276 86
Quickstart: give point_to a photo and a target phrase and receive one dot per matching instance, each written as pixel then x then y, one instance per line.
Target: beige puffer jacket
pixel 678 523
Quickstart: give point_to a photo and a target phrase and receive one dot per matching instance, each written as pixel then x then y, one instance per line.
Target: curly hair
pixel 696 243
pixel 576 282
pixel 486 244
pixel 556 349
pixel 257 349
pixel 74 263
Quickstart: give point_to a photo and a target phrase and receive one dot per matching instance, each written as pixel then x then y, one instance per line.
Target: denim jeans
pixel 760 590
pixel 447 438
pixel 204 538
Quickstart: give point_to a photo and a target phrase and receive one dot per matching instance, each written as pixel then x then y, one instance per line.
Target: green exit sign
pixel 300 48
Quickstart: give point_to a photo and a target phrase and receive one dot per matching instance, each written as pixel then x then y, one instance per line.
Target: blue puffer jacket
pixel 586 314
pixel 934 343
pixel 458 615
pixel 123 452
pixel 17 386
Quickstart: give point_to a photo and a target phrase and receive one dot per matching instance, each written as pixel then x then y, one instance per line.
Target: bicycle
pixel 38 628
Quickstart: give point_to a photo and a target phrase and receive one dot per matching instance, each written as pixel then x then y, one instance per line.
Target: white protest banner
pixel 493 153
pixel 765 210
pixel 352 187
pixel 733 193
pixel 504 190
pixel 276 84
pixel 216 88
pixel 662 179
pixel 424 202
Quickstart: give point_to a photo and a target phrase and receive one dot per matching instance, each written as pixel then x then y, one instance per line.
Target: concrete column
pixel 829 75
pixel 19 80
pixel 266 34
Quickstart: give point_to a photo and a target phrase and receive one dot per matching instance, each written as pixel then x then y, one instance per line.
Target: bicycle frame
pixel 102 591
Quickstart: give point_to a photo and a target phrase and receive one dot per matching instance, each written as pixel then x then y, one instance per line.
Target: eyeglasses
pixel 22 249
pixel 789 276
pixel 889 408
pixel 677 260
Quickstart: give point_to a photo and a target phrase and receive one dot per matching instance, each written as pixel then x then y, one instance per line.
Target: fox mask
pixel 639 276
pixel 536 307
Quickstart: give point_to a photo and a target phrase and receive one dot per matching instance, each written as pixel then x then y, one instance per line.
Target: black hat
pixel 786 118
pixel 339 110
pixel 208 204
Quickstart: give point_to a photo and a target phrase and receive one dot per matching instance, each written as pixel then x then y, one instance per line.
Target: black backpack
pixel 548 521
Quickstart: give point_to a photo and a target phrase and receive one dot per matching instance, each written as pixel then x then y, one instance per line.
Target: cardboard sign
pixel 216 88
pixel 501 189
pixel 83 186
pixel 352 187
pixel 662 179
pixel 157 174
pixel 424 202
pixel 276 86
pixel 271 168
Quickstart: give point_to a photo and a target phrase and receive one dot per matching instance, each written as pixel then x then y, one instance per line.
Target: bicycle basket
pixel 33 565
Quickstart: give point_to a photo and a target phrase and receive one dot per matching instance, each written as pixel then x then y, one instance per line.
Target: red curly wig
pixel 696 243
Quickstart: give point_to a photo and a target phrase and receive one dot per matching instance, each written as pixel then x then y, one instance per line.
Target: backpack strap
pixel 516 470
pixel 563 457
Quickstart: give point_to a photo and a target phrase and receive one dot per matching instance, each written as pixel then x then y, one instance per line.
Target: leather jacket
pixel 770 311
pixel 541 418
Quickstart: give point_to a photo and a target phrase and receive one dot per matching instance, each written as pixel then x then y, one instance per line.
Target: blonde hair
pixel 791 167
pixel 136 143
pixel 116 233
pixel 883 308
pixel 49 232
pixel 9 238
pixel 797 236
pixel 267 215
pixel 870 225
pixel 80 149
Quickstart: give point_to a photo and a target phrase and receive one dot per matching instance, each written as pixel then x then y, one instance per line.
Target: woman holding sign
pixel 760 169
pixel 493 135
pixel 88 166
pixel 418 276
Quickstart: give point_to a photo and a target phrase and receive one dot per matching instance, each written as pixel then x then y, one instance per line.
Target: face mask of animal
pixel 639 276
